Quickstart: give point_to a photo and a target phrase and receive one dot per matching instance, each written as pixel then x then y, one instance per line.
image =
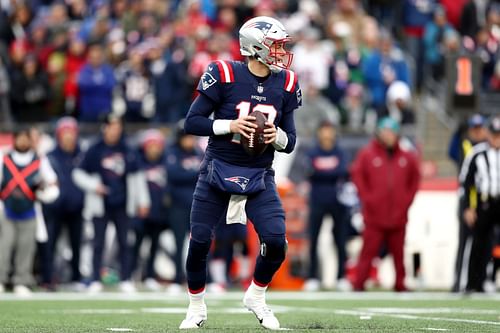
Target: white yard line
pixel 411 317
pixel 431 310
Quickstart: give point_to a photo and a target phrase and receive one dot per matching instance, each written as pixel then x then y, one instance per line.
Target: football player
pixel 231 182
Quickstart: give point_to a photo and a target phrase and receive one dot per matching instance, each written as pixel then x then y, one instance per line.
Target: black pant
pixel 151 229
pixel 464 235
pixel 339 214
pixel 55 221
pixel 121 221
pixel 488 214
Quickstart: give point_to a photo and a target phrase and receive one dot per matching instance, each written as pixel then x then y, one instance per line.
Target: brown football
pixel 254 146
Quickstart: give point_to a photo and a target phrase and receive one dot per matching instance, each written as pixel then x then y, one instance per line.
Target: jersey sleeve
pixel 210 83
pixel 294 93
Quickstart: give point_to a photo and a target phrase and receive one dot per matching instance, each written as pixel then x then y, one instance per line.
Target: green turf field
pixel 299 312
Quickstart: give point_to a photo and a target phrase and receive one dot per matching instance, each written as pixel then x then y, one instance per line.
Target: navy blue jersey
pixel 229 90
pixel 112 163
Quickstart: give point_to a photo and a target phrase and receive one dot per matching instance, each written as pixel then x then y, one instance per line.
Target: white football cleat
pixel 344 285
pixel 195 317
pixel 264 314
pixel 152 285
pixel 312 285
pixel 22 290
pixel 95 287
pixel 127 287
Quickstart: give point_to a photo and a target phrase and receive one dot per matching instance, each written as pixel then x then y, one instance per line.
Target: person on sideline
pixel 24 179
pixel 387 178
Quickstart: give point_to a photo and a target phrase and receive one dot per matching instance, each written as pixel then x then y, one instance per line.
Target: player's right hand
pixel 244 126
pixel 470 216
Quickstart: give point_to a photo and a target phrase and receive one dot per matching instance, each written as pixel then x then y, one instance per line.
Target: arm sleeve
pixel 467 178
pixel 197 121
pixel 50 191
pixel 414 180
pixel 287 123
pixel 358 177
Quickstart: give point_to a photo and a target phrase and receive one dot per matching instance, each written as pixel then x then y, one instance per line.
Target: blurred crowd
pixel 357 60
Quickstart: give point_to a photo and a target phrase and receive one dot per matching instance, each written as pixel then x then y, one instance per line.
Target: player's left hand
pixel 269 133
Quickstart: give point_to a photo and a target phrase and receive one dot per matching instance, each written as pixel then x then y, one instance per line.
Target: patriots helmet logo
pixel 263 26
pixel 207 80
pixel 239 180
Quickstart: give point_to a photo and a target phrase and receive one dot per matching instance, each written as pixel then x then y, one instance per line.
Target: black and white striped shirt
pixel 481 168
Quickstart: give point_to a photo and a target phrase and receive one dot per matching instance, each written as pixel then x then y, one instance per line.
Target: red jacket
pixel 386 184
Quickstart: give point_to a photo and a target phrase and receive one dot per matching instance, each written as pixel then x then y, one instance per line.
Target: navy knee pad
pixel 273 248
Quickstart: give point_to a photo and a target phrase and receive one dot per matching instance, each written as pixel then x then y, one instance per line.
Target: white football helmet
pixel 264 38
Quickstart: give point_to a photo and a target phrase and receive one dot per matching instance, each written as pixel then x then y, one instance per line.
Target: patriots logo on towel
pixel 207 80
pixel 239 180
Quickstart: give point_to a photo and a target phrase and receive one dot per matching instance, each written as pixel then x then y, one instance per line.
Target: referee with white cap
pixel 482 170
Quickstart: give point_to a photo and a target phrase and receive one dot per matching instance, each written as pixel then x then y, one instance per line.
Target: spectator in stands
pixel 346 65
pixel 488 43
pixel 350 12
pixel 30 92
pixel 355 113
pixel 96 82
pixel 399 106
pixel 66 212
pixel 115 190
pixel 416 14
pixel 460 146
pixel 152 162
pixel 473 17
pixel 382 67
pixel 183 162
pixel 495 79
pixel 75 59
pixel 435 35
pixel 5 112
pixel 136 87
pixel 24 179
pixel 171 88
pixel 384 11
pixel 317 108
pixel 312 58
pixel 57 78
pixel 387 179
pixel 453 10
pixel 16 26
pixel 327 171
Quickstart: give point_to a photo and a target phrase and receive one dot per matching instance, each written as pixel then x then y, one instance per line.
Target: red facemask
pixel 278 56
